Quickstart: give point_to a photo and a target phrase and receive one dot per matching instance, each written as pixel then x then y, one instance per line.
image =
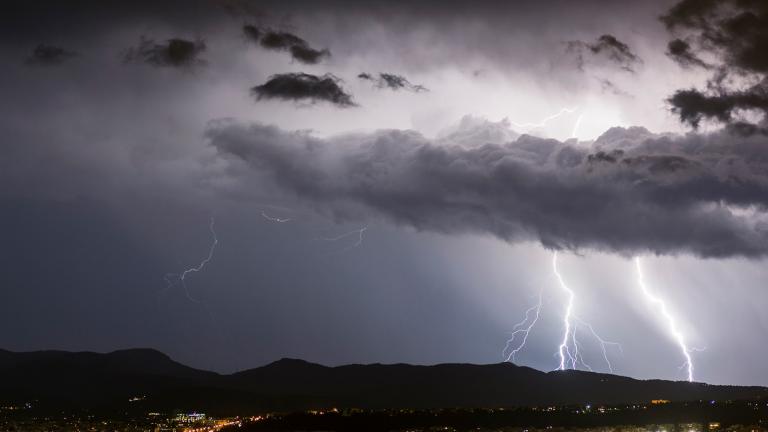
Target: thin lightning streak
pixel 210 253
pixel 545 120
pixel 603 343
pixel 518 329
pixel 274 219
pixel 576 126
pixel 182 276
pixel 672 326
pixel 359 241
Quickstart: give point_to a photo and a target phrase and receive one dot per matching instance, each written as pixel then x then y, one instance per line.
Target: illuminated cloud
pixel 632 192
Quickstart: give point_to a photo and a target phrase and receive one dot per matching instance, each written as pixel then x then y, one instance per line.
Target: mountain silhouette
pixel 108 381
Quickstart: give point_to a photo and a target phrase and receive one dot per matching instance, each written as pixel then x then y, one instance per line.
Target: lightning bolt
pixel 568 333
pixel 569 348
pixel 546 120
pixel 604 344
pixel 522 329
pixel 183 275
pixel 674 332
pixel 207 259
pixel 357 243
pixel 274 219
pixel 576 126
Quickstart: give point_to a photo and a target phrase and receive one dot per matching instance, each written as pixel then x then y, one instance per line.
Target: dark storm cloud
pixel 392 82
pixel 632 192
pixel 302 86
pixel 608 47
pixel 692 106
pixel 279 40
pixel 308 55
pixel 734 33
pixel 680 51
pixel 299 49
pixel 174 53
pixel 252 32
pixel 49 55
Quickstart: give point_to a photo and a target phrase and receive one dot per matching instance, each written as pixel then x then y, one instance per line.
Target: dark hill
pixel 88 379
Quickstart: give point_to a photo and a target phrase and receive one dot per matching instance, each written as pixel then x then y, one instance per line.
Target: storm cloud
pixel 49 55
pixel 276 40
pixel 304 87
pixel 631 192
pixel 175 52
pixel 680 51
pixel 608 47
pixel 733 38
pixel 392 82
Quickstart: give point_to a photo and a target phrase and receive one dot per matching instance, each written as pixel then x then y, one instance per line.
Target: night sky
pixel 388 182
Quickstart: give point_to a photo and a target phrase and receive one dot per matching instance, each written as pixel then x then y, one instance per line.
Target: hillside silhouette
pixel 108 381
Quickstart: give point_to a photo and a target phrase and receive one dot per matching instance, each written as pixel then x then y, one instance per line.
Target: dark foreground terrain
pixel 683 416
pixel 143 380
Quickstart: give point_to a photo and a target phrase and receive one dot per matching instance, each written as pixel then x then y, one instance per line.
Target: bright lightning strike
pixel 522 330
pixel 569 348
pixel 672 327
pixel 563 350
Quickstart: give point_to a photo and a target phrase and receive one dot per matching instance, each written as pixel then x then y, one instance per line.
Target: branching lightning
pixel 522 330
pixel 674 332
pixel 183 275
pixel 603 343
pixel 207 259
pixel 568 350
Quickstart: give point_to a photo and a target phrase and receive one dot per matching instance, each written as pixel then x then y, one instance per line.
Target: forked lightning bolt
pixel 522 329
pixel 182 276
pixel 568 350
pixel 674 332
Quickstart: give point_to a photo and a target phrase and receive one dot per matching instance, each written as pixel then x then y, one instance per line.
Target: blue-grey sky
pixel 541 126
